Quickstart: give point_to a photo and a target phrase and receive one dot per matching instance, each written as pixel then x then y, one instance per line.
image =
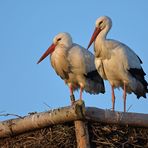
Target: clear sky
pixel 27 29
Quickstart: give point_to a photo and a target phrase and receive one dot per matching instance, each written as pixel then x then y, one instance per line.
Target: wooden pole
pixel 82 135
pixel 81 129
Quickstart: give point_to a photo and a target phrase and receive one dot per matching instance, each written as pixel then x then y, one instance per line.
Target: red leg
pixel 71 90
pixel 124 97
pixel 113 98
pixel 72 97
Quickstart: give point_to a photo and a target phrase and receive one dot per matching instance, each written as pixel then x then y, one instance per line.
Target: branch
pixel 43 119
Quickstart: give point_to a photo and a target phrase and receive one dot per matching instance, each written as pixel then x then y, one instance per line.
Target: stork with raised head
pixel 117 63
pixel 75 65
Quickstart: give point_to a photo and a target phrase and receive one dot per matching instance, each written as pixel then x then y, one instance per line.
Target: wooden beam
pixel 40 120
pixel 71 113
pixel 120 118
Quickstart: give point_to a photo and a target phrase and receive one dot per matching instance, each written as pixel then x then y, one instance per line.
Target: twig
pixel 129 108
pixel 123 144
pixel 12 115
pixel 47 105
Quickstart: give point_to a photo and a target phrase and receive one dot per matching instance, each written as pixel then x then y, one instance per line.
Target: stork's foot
pixel 72 98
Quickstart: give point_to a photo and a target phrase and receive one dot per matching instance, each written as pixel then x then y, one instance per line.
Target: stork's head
pixel 63 39
pixel 102 23
pixel 60 40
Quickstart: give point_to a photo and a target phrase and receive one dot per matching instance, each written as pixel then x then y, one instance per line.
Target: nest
pixel 113 136
pixel 63 136
pixel 57 136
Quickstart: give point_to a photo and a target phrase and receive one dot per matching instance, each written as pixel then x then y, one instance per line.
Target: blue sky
pixel 27 29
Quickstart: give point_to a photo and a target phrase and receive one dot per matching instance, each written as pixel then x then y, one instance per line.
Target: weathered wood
pixel 81 129
pixel 120 118
pixel 40 120
pixel 71 113
pixel 82 135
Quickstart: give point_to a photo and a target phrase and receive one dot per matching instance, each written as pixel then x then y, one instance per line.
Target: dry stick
pixel 47 105
pixel 129 108
pixel 12 115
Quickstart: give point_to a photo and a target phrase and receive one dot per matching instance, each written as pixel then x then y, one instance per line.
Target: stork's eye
pixel 58 39
pixel 100 23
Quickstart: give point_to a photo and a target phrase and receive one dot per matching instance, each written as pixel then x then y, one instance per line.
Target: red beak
pixel 96 32
pixel 48 51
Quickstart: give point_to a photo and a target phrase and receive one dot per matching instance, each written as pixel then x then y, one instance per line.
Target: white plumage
pixel 75 65
pixel 117 63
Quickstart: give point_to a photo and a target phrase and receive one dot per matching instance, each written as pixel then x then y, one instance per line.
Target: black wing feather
pixel 139 75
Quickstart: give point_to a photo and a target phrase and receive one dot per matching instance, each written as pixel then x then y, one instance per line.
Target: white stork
pixel 117 63
pixel 75 65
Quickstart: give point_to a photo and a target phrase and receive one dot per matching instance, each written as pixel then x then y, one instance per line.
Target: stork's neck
pixel 100 44
pixel 102 35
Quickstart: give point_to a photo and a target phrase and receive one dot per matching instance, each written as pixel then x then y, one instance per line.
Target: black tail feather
pixel 95 76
